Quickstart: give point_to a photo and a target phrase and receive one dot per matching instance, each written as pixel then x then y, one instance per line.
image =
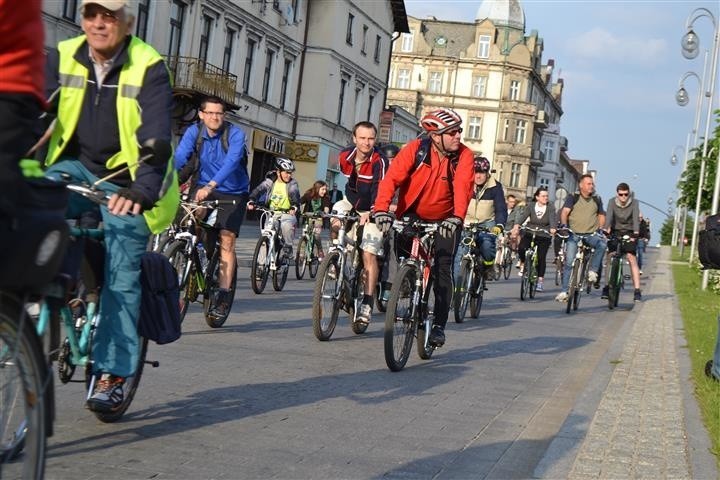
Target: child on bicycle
pixel 316 200
pixel 540 213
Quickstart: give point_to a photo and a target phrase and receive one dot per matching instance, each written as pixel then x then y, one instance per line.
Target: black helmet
pixel 389 150
pixel 481 164
pixel 285 164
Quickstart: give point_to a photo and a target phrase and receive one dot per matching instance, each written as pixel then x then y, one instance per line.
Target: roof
pixel 400 22
pixel 502 13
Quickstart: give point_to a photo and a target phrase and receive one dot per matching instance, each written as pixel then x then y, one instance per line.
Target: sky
pixel 621 64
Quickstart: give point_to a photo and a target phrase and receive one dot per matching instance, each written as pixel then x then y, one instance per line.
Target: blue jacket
pixel 228 170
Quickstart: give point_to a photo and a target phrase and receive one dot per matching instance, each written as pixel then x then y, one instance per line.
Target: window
pixel 205 38
pixel 177 16
pixel 479 85
pixel 248 65
pixel 376 57
pixel 276 5
pixel 371 100
pixel 506 130
pixel 270 55
pixel 407 42
pixel 142 19
pixel 358 97
pixel 341 100
pixel 364 39
pixel 228 52
pixel 435 82
pixel 484 46
pixel 549 150
pixel 403 78
pixel 348 34
pixel 515 175
pixel 545 182
pixel 474 126
pixel 285 80
pixel 70 10
pixel 520 128
pixel 514 90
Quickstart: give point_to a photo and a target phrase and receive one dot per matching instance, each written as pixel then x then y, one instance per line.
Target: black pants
pixel 543 244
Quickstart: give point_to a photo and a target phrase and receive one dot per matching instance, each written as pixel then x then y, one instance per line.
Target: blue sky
pixel 621 64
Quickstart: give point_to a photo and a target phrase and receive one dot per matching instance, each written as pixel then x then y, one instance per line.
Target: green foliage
pixel 688 182
pixel 667 228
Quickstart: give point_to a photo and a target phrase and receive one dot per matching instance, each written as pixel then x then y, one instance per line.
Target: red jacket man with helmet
pixel 437 189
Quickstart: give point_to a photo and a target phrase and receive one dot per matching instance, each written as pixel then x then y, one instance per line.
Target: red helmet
pixel 481 164
pixel 440 120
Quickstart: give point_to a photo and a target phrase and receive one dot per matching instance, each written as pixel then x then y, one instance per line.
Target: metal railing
pixel 194 74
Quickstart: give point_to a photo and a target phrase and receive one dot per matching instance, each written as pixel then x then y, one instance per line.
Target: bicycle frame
pixel 420 257
pixel 267 229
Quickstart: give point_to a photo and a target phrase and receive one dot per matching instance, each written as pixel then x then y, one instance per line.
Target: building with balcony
pixel 493 75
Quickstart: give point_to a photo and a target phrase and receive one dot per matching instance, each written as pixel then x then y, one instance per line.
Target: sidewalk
pixel 638 417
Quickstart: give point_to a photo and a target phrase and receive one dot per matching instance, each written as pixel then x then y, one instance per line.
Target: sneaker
pixel 108 394
pixel 592 277
pixel 364 313
pixel 605 292
pixel 222 303
pixel 539 287
pixel 638 295
pixel 521 272
pixel 437 336
pixel 641 271
pixel 561 297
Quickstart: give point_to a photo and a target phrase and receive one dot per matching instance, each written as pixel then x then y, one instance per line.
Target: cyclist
pixel 643 241
pixel 280 192
pixel 316 200
pixel 623 218
pixel 583 212
pixel 114 94
pixel 364 167
pixel 537 214
pixel 514 209
pixel 219 172
pixel 437 188
pixel 488 208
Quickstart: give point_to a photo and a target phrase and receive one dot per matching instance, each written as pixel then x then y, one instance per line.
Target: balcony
pixel 541 119
pixel 538 158
pixel 192 75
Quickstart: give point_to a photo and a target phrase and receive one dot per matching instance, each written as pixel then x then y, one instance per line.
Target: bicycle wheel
pixel 614 282
pixel 532 276
pixel 212 318
pixel 525 279
pixel 357 290
pixel 22 399
pixel 314 259
pixel 507 263
pixel 476 295
pixel 175 253
pixel 558 271
pixel 326 304
pixel 427 317
pixel 259 270
pixel 301 258
pixel 462 293
pixel 279 276
pixel 400 325
pixel 573 286
pixel 129 387
pixel 582 284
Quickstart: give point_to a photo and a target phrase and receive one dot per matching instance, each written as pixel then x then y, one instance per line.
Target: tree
pixel 689 180
pixel 667 228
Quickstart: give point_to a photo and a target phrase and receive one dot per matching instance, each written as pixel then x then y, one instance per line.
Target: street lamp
pixel 690 48
pixel 677 216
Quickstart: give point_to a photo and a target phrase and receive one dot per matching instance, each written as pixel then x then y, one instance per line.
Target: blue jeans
pixel 571 248
pixel 484 243
pixel 115 343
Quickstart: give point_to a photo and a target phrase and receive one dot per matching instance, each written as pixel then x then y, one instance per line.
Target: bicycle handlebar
pixel 401 224
pixel 535 229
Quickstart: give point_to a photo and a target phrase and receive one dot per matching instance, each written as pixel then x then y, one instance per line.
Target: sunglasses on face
pixel 107 16
pixel 623 194
pixel 452 133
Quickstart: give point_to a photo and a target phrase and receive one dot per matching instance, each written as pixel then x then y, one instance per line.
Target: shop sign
pixel 268 142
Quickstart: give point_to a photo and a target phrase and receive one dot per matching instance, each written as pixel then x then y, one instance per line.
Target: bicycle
pixel 559 261
pixel 528 282
pixel 307 257
pixel 340 283
pixel 410 310
pixel 578 274
pixel 506 257
pixel 198 270
pixel 616 281
pixel 471 280
pixel 268 255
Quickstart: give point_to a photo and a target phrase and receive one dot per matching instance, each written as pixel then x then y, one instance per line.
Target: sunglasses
pixel 623 194
pixel 452 133
pixel 107 16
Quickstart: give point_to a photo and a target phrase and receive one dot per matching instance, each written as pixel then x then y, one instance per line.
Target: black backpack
pixel 709 243
pixel 160 306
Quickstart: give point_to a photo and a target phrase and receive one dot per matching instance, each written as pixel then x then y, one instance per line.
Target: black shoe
pixel 708 371
pixel 605 292
pixel 222 304
pixel 638 295
pixel 437 336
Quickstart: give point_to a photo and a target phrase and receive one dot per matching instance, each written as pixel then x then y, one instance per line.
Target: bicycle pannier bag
pixel 709 243
pixel 160 308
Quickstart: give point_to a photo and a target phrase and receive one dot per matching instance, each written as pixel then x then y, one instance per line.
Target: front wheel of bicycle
pixel 507 263
pixel 462 292
pixel 532 276
pixel 573 286
pixel 301 258
pixel 260 265
pixel 357 293
pixel 22 399
pixel 279 277
pixel 175 253
pixel 525 280
pixel 614 284
pixel 476 295
pixel 212 317
pixel 326 304
pixel 558 271
pixel 427 317
pixel 400 325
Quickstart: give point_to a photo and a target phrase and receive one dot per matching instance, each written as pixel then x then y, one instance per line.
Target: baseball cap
pixel 113 5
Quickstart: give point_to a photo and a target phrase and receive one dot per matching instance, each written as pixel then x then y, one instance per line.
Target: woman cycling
pixel 316 200
pixel 538 214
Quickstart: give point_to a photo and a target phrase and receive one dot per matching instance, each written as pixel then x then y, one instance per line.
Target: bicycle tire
pixel 357 292
pixel 175 253
pixel 259 271
pixel 462 296
pixel 279 276
pixel 582 283
pixel 25 373
pixel 427 317
pixel 314 260
pixel 525 280
pixel 129 390
pixel 476 295
pixel 326 304
pixel 379 302
pixel 614 282
pixel 572 286
pixel 213 290
pixel 301 259
pixel 532 275
pixel 400 324
pixel 507 263
pixel 559 267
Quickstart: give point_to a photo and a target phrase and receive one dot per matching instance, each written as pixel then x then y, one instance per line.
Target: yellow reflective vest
pixel 73 84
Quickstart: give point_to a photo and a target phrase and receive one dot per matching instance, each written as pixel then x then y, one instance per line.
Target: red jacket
pixel 361 188
pixel 22 63
pixel 402 174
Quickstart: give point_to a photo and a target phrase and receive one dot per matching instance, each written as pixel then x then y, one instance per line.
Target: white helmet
pixel 285 164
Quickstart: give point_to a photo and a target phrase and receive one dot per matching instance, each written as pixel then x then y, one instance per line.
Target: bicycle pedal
pixel 153 363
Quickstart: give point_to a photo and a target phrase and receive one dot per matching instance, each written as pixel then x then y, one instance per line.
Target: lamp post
pixel 677 219
pixel 690 48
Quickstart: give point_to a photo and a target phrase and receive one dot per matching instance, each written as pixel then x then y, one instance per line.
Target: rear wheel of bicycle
pixel 212 317
pixel 129 387
pixel 22 398
pixel 614 284
pixel 279 277
pixel 326 305
pixel 427 316
pixel 314 261
pixel 462 293
pixel 175 253
pixel 301 259
pixel 260 265
pixel 399 324
pixel 476 295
